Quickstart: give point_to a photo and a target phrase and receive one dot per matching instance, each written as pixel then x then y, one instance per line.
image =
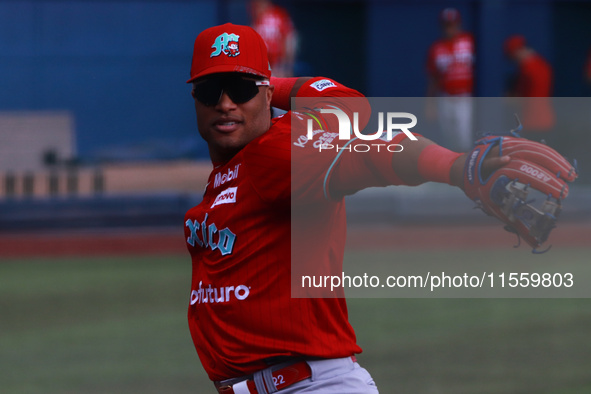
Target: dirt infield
pixel 93 243
pixel 445 237
pixel 171 240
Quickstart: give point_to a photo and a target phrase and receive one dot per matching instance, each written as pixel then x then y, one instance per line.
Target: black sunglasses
pixel 209 90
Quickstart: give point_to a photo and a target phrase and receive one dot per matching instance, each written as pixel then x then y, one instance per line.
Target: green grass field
pixel 117 325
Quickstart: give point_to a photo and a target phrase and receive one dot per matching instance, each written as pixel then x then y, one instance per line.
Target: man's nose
pixel 225 102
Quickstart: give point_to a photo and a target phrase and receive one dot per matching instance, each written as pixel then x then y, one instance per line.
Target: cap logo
pixel 227 44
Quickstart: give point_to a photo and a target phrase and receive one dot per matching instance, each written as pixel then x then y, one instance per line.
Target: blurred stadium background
pixel 100 158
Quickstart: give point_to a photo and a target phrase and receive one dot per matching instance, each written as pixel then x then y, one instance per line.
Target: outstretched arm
pixel 418 162
pixel 423 160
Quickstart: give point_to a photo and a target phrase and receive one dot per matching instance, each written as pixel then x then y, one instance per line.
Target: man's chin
pixel 228 148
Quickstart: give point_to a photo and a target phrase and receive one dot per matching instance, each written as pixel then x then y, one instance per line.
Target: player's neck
pixel 220 157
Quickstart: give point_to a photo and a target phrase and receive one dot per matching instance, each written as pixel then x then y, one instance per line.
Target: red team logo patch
pixel 227 44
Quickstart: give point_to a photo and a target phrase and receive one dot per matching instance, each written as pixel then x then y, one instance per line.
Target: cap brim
pixel 226 68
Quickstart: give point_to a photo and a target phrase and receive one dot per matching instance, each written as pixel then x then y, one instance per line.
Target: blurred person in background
pixel 587 74
pixel 588 67
pixel 450 71
pixel 274 24
pixel 534 80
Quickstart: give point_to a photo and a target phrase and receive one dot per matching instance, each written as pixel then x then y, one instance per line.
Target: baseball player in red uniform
pixel 450 64
pixel 534 80
pixel 587 69
pixel 251 335
pixel 274 24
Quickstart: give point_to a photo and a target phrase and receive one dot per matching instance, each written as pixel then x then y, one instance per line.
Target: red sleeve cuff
pixel 282 95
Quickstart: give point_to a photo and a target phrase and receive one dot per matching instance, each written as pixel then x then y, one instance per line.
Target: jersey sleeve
pixel 317 174
pixel 332 173
pixel 311 165
pixel 324 93
pixel 362 166
pixel 326 87
pixel 347 166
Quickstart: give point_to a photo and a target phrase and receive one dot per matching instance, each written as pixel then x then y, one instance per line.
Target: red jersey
pixel 534 80
pixel 241 310
pixel 450 62
pixel 274 25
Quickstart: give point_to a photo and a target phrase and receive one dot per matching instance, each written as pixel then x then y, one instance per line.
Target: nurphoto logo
pixel 345 127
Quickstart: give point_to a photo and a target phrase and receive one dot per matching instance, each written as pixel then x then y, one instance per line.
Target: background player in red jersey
pixel 533 80
pixel 251 335
pixel 587 68
pixel 587 72
pixel 274 24
pixel 450 69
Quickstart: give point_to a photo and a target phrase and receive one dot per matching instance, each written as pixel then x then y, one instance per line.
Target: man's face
pixel 450 29
pixel 225 121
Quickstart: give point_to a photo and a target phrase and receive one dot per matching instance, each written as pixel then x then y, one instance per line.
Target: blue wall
pixel 120 66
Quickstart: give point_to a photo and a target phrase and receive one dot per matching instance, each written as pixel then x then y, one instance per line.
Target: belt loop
pixel 241 388
pixel 268 378
pixel 259 382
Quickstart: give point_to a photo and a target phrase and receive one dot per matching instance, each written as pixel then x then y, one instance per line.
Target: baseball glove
pixel 525 194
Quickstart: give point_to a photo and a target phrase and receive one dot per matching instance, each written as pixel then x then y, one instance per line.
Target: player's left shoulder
pixel 326 87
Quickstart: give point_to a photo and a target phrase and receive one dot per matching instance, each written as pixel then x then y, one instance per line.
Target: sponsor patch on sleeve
pixel 323 84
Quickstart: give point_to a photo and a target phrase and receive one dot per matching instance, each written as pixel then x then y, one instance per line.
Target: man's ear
pixel 270 90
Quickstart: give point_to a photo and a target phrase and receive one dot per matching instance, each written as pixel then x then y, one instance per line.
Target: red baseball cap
pixel 229 48
pixel 513 44
pixel 450 15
